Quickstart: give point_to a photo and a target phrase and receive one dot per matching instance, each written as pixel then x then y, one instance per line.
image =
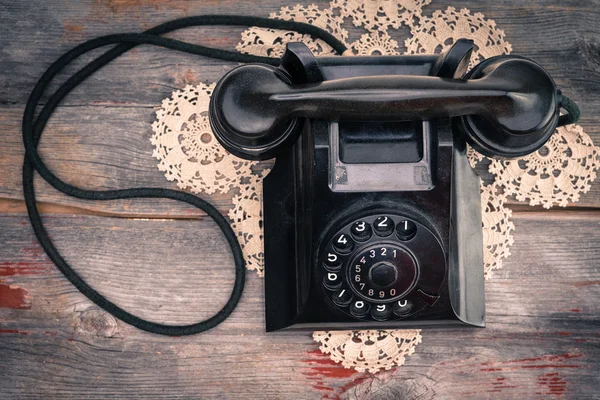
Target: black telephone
pixel 372 215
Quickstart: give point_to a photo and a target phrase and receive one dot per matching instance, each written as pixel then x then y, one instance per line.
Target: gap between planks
pixel 520 211
pixel 11 206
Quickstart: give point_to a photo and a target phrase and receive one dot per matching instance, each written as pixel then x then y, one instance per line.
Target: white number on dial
pixel 371 292
pixel 383 251
pixel 331 257
pixel 361 226
pixel 362 286
pixel 383 223
pixel 357 268
pixel 342 239
pixel 357 278
pixel 392 292
pixel 363 260
pixel 382 294
pixel 372 253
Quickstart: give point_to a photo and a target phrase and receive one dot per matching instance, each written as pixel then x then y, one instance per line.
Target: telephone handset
pixel 372 214
pixel 506 106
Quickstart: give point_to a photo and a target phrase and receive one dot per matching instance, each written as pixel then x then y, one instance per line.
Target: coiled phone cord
pixel 33 128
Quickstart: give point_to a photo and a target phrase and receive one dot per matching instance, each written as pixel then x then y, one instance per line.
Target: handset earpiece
pixel 525 122
pixel 507 106
pixel 244 117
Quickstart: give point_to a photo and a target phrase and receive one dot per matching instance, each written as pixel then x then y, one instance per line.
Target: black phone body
pixel 409 185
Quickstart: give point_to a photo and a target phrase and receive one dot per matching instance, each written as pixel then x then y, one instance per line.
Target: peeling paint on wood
pixel 14 331
pixel 14 297
pixel 320 368
pixel 23 268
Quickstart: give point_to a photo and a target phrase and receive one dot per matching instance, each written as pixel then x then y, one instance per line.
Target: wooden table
pixel 166 262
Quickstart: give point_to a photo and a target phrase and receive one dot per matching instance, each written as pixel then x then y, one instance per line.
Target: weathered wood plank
pixel 116 153
pixel 541 339
pixel 552 29
pixel 110 115
pixel 542 336
pixel 109 148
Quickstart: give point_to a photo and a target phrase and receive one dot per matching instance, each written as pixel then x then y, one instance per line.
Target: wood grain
pixel 166 261
pixel 101 136
pixel 542 334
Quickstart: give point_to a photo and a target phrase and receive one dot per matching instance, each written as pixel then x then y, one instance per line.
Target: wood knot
pixel 96 322
pixel 589 48
pixel 186 78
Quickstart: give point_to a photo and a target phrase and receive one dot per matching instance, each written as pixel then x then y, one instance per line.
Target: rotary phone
pixel 372 214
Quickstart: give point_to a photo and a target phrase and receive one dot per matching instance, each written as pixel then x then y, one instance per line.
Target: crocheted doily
pixel 380 14
pixel 189 154
pixel 271 42
pixel 375 43
pixel 368 350
pixel 246 215
pixel 186 148
pixel 497 228
pixel 557 174
pixel 438 33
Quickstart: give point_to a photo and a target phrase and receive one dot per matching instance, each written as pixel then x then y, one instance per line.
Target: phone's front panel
pixel 354 259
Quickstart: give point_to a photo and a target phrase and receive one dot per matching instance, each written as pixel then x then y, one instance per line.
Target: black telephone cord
pixel 33 128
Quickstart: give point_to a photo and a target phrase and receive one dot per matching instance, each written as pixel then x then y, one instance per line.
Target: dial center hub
pixel 383 274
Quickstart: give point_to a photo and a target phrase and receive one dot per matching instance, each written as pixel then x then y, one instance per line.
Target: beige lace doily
pixel 474 157
pixel 271 42
pixel 438 33
pixel 368 350
pixel 557 174
pixel 497 228
pixel 246 215
pixel 189 154
pixel 379 15
pixel 186 148
pixel 375 43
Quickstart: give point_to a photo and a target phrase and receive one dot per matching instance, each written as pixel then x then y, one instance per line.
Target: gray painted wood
pixel 542 314
pixel 542 336
pixel 116 106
